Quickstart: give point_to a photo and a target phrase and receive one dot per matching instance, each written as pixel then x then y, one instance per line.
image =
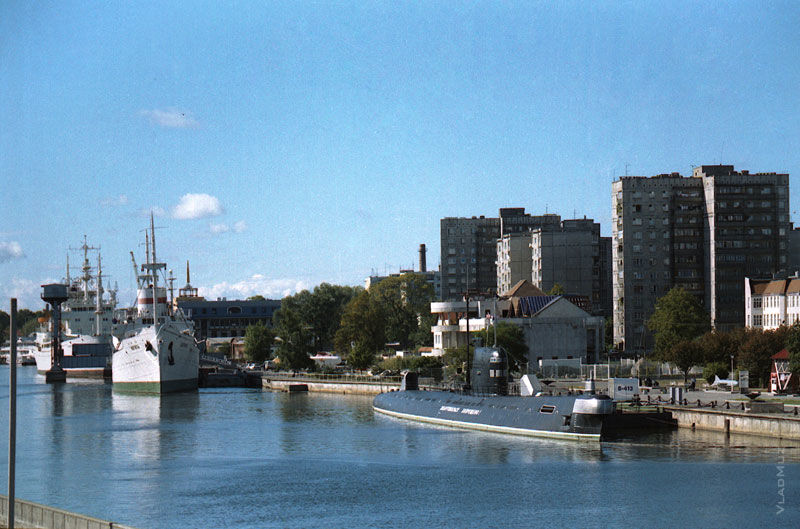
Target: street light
pixel 731 373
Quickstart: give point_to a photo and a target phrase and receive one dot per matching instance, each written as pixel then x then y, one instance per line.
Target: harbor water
pixel 252 458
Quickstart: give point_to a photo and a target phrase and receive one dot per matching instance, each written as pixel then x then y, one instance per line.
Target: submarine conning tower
pixel 490 371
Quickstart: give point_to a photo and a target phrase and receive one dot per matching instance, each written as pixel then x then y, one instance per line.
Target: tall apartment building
pixel 513 260
pixel 704 233
pixel 469 248
pixel 574 255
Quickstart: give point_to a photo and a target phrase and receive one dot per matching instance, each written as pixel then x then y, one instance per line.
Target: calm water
pixel 247 458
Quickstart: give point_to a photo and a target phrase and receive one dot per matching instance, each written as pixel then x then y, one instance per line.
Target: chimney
pixel 422 265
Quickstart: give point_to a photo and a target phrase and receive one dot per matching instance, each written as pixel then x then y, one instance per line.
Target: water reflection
pixel 148 427
pixel 315 460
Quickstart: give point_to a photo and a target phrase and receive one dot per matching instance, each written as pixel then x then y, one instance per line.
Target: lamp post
pixel 731 373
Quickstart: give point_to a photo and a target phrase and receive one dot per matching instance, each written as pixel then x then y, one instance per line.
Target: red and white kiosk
pixel 781 380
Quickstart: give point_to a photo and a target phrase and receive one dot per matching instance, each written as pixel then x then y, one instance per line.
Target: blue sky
pixel 291 143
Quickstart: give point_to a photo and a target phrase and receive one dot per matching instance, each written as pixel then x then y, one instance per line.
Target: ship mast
pixel 99 299
pixel 153 266
pixel 86 269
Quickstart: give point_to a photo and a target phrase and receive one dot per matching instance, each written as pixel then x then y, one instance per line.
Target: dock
pixel 30 514
pixel 347 385
pixel 779 425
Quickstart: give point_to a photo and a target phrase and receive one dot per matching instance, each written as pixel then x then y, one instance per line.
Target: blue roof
pixel 531 305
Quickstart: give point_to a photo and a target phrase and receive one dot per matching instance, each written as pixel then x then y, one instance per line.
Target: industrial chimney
pixel 422 266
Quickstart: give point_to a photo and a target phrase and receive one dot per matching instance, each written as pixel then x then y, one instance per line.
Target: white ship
pixel 155 351
pixel 87 320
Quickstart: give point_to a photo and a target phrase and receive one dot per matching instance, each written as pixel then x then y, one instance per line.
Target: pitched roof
pixel 782 355
pixel 776 287
pixel 524 288
pixel 758 287
pixel 531 305
pixel 794 286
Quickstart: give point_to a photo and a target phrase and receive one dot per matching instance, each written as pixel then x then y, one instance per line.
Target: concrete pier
pixel 777 425
pixel 30 514
pixel 283 383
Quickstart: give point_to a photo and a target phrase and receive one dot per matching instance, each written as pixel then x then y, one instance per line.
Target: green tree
pixel 362 329
pixel 511 339
pixel 557 290
pixel 756 350
pixel 678 317
pixel 685 355
pixel 405 301
pixel 258 340
pixel 257 297
pixel 716 369
pixel 295 339
pixel 361 357
pixel 793 347
pixel 718 346
pixel 5 322
pixel 321 311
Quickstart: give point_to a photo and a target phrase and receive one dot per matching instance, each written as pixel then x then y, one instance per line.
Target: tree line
pixel 683 337
pixel 355 323
pixel 27 322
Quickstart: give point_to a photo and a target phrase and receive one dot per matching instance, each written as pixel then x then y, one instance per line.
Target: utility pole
pixel 12 412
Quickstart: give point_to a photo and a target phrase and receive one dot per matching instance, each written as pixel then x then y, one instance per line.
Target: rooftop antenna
pixel 68 278
pixel 626 169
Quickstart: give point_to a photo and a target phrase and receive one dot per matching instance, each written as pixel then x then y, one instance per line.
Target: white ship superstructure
pixel 155 351
pixel 87 319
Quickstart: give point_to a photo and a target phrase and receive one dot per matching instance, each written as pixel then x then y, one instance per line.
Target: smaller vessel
pixel 155 351
pixel 87 320
pixel 488 406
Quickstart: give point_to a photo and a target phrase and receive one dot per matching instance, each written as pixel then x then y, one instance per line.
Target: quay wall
pixel 771 425
pixel 329 386
pixel 30 514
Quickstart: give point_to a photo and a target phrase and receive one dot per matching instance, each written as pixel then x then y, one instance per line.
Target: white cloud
pixel 197 206
pixel 26 291
pixel 115 201
pixel 238 227
pixel 257 284
pixel 172 118
pixel 10 250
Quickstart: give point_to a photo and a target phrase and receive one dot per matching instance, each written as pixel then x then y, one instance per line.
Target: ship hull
pixel 156 360
pixel 556 417
pixel 84 357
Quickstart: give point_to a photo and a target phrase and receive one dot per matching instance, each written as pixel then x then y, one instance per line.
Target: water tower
pixel 55 294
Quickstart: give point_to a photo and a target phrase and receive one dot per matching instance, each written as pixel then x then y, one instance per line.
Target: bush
pixel 426 366
pixel 715 369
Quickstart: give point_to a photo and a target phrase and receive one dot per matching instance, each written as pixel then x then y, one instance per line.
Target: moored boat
pixel 488 407
pixel 155 352
pixel 88 321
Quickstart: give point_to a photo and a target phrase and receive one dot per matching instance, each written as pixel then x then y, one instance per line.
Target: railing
pixel 346 378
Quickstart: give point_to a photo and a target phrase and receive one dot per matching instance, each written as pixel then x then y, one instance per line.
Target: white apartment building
pixel 771 303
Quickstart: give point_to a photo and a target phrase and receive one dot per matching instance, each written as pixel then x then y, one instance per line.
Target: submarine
pixel 486 405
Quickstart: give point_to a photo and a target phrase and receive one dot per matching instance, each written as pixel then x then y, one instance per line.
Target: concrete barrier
pixel 326 386
pixel 786 426
pixel 30 514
